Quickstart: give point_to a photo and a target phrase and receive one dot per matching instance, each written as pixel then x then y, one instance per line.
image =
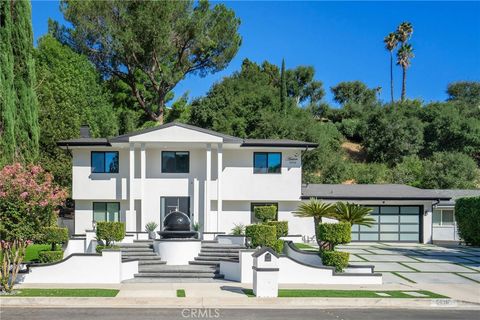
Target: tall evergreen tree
pixel 18 59
pixel 283 88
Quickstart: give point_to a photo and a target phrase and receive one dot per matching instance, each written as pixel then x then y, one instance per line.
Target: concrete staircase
pixel 204 267
pixel 142 250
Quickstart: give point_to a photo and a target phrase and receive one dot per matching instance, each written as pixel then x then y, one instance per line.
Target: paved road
pixel 240 314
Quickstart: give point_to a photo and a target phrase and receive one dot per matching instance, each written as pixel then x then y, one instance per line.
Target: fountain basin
pixel 177 251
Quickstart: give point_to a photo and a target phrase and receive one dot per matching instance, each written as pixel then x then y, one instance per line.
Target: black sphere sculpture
pixel 177 226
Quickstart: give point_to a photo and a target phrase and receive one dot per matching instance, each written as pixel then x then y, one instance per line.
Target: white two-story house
pixel 215 178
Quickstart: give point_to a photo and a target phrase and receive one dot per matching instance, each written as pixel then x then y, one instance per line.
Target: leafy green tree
pixel 367 173
pixel 70 94
pixel 409 171
pixel 19 130
pixel 391 42
pixel 152 45
pixel 302 87
pixel 448 128
pixel 465 91
pixel 354 92
pixel 450 170
pixel 391 136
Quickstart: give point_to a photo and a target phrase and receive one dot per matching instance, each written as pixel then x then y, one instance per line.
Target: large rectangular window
pixel 104 162
pixel 267 162
pixel 443 217
pixel 175 161
pixel 106 211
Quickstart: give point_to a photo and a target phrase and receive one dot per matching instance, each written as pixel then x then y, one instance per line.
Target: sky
pixel 343 41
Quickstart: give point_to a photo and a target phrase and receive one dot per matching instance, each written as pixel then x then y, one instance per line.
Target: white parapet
pixel 106 267
pixel 177 251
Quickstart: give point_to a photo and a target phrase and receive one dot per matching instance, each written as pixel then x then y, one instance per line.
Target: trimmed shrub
pixel 261 235
pixel 467 215
pixel 279 246
pixel 265 213
pixel 54 236
pixel 282 227
pixel 336 259
pixel 110 231
pixel 50 256
pixel 100 248
pixel 335 233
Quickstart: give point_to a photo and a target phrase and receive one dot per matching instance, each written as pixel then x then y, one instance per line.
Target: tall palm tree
pixel 404 33
pixel 317 210
pixel 353 214
pixel 391 42
pixel 404 54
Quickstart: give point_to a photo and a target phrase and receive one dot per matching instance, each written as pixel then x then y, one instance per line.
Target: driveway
pixel 418 263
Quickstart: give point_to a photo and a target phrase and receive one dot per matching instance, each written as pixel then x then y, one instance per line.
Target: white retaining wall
pixel 83 268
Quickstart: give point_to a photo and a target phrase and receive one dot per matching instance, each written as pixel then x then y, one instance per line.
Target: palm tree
pixel 404 33
pixel 317 210
pixel 391 42
pixel 404 54
pixel 353 214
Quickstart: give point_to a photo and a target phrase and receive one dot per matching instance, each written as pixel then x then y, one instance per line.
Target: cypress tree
pixel 19 116
pixel 7 91
pixel 283 89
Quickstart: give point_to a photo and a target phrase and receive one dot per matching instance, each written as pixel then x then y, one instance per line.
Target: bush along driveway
pixel 418 263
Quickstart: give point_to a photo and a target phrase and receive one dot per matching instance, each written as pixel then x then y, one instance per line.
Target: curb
pixel 237 303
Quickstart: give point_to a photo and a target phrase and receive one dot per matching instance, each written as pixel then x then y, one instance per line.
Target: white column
pixel 130 216
pixel 208 176
pixel 219 183
pixel 143 176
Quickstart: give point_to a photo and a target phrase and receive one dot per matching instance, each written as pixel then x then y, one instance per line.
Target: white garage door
pixel 392 223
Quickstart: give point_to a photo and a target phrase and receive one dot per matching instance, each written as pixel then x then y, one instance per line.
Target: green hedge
pixel 110 231
pixel 50 256
pixel 265 213
pixel 336 259
pixel 100 248
pixel 467 215
pixel 262 235
pixel 334 233
pixel 54 236
pixel 282 227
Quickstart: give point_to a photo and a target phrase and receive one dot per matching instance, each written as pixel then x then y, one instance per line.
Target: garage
pixel 392 223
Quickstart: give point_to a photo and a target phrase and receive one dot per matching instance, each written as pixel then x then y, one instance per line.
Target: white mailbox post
pixel 265 273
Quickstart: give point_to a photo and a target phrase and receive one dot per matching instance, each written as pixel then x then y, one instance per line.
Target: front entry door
pixel 170 204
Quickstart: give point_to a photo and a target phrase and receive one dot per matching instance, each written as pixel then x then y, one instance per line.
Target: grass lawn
pixel 298 293
pixel 181 293
pixel 303 246
pixel 64 293
pixel 31 253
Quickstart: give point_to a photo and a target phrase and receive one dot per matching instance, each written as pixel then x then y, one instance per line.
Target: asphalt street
pixel 243 314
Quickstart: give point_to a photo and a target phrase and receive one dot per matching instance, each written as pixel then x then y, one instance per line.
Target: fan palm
pixel 404 31
pixel 353 214
pixel 391 42
pixel 317 210
pixel 404 55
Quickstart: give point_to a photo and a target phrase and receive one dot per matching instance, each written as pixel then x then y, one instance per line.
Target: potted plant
pixel 150 228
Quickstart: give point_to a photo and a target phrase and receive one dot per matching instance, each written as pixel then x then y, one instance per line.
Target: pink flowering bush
pixel 28 201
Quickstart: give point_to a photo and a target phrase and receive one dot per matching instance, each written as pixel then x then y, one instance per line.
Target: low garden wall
pixel 86 268
pixel 299 267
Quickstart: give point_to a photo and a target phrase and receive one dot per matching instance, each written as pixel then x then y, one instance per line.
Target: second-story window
pixel 104 161
pixel 175 161
pixel 267 162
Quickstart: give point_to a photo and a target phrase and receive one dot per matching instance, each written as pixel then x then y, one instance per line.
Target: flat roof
pixel 368 192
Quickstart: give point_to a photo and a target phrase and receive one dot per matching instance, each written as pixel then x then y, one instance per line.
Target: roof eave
pixel 279 145
pixel 373 198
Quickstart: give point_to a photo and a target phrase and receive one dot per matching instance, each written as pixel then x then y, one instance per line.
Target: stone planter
pixel 152 235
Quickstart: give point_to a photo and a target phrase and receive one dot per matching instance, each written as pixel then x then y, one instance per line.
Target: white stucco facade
pixel 220 185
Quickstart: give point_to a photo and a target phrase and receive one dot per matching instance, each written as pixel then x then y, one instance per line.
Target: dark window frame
pixel 175 152
pixel 104 159
pixel 106 212
pixel 267 153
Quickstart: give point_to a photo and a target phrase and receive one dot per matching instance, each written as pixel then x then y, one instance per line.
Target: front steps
pixel 204 267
